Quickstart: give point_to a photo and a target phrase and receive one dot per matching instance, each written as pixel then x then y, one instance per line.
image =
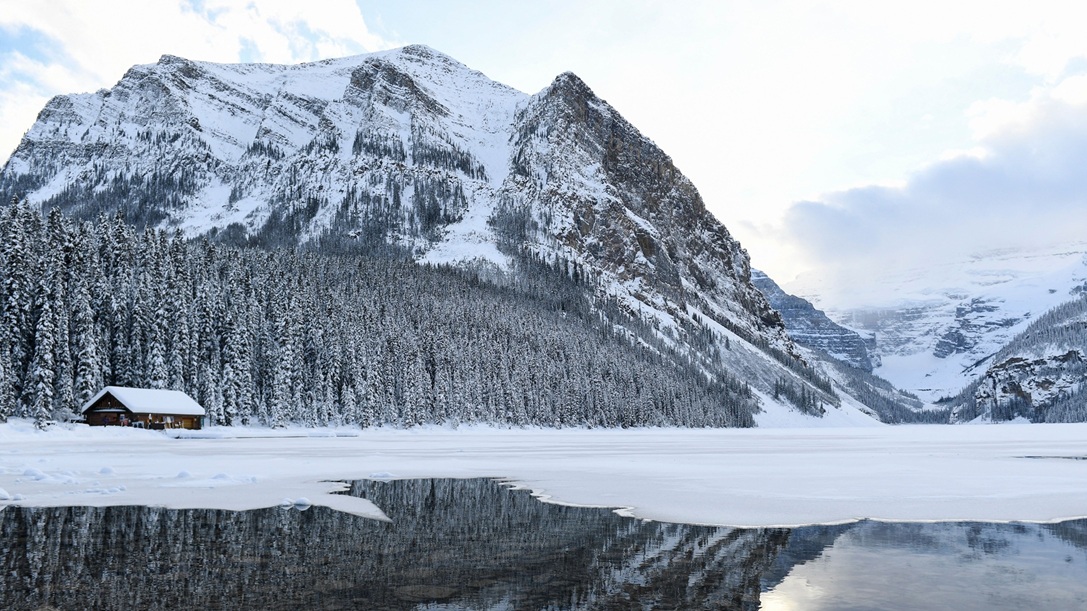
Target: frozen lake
pixel 475 544
pixel 728 477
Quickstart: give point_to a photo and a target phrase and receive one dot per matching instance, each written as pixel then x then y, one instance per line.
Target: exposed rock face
pixel 973 320
pixel 1035 382
pixel 601 194
pixel 1040 375
pixel 812 328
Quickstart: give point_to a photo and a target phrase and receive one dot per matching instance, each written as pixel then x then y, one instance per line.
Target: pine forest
pixel 294 336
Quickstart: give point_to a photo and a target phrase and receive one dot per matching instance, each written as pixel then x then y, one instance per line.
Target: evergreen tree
pixel 42 375
pixel 7 394
pixel 88 367
pixel 21 266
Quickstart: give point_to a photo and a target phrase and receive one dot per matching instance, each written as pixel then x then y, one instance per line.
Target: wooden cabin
pixel 144 408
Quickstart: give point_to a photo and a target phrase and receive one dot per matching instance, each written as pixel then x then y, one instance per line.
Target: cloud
pixel 67 46
pixel 1024 186
pixel 285 31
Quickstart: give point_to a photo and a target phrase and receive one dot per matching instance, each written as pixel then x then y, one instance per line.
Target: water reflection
pixel 472 544
pixel 966 565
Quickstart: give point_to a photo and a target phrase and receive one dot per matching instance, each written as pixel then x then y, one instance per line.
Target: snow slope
pixel 742 477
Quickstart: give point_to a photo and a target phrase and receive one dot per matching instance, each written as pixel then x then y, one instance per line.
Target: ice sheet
pixel 739 477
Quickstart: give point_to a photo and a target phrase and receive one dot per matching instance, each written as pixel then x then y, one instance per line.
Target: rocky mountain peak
pixel 166 60
pixel 572 87
pixel 636 215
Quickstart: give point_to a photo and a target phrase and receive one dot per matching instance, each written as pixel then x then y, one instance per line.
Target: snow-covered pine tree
pixel 211 393
pixel 237 380
pixel 7 394
pixel 21 267
pixel 59 248
pixel 39 391
pixel 86 342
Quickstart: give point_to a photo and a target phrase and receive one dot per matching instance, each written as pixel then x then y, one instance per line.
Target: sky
pixel 832 138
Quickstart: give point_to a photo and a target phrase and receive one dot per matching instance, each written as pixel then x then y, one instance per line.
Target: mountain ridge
pixel 812 328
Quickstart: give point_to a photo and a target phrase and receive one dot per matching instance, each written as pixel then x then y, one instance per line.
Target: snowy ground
pixel 751 477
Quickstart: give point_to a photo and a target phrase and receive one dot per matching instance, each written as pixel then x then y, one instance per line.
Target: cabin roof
pixel 150 401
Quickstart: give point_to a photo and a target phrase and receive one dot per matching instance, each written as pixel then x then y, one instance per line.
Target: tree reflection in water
pixel 473 544
pixel 460 543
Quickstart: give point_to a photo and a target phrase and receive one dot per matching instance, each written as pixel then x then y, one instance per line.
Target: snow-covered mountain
pixel 435 157
pixel 410 153
pixel 936 330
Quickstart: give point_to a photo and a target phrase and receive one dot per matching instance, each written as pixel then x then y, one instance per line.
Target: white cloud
pixel 89 45
pixel 1023 187
pixel 760 103
pixel 286 31
pixel 993 117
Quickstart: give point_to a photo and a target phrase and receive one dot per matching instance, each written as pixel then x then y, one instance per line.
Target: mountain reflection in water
pixel 473 544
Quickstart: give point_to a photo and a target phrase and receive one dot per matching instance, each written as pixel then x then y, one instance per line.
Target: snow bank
pixel 739 477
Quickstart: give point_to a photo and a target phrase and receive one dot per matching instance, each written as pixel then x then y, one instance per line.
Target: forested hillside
pixel 295 336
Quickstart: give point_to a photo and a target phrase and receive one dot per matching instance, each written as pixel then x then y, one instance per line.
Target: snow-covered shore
pixel 739 477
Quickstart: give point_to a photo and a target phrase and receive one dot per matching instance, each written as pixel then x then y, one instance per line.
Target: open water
pixel 475 544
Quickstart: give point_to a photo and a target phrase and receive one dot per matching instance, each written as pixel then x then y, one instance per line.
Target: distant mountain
pixel 936 330
pixel 843 353
pixel 812 328
pixel 409 154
